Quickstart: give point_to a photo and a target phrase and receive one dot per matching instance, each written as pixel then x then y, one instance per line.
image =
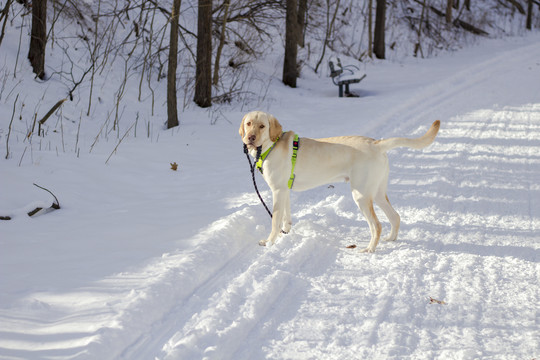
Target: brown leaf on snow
pixel 174 166
pixel 351 246
pixel 435 301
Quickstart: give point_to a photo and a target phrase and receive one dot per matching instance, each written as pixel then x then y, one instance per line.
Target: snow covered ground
pixel 143 262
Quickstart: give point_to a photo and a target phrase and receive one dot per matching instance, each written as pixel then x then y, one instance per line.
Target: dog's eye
pixel 261 127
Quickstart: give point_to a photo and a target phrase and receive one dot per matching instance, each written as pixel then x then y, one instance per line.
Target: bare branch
pixel 9 131
pixel 51 111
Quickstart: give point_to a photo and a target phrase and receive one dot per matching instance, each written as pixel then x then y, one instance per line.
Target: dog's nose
pixel 252 138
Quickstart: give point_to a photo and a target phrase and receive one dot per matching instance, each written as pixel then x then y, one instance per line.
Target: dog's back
pixel 363 143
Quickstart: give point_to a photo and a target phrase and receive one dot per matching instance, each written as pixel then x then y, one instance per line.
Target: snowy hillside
pixel 144 262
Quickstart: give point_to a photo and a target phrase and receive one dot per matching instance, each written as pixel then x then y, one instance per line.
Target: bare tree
pixel 93 56
pixel 38 37
pixel 330 20
pixel 291 44
pixel 380 19
pixel 370 28
pixel 226 5
pixel 302 11
pixel 449 4
pixel 529 14
pixel 418 46
pixel 172 110
pixel 203 71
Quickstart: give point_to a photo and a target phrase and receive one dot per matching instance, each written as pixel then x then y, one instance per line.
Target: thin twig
pixel 53 109
pixel 4 15
pixel 119 142
pixel 24 152
pixel 329 29
pixel 9 131
pixel 78 131
pixel 55 205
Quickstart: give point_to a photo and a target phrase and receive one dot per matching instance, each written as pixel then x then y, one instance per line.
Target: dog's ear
pixel 275 128
pixel 241 130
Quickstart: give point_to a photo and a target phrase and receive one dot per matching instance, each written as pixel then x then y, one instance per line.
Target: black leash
pixel 252 168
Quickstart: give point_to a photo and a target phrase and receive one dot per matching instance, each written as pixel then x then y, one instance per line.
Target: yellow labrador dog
pixel 359 160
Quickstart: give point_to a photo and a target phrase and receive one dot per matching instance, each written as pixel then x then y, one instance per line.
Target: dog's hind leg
pixel 366 206
pixel 382 201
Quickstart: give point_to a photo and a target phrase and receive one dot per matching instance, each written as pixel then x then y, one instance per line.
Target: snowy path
pixel 477 250
pixel 469 237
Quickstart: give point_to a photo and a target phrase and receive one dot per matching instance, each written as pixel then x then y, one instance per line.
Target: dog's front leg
pixel 280 197
pixel 287 222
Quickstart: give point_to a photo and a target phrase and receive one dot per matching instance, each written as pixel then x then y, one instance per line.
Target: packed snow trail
pixel 469 237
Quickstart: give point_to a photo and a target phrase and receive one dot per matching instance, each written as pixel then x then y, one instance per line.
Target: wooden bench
pixel 344 75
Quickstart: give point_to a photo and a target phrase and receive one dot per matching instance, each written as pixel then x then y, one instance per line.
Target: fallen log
pixel 55 205
pixel 39 210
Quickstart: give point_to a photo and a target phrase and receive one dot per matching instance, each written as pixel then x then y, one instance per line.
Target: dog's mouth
pixel 250 144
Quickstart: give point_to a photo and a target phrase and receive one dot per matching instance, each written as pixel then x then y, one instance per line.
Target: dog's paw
pixel 367 250
pixel 262 243
pixel 286 228
pixel 389 238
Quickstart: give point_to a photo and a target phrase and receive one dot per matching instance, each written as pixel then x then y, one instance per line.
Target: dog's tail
pixel 418 143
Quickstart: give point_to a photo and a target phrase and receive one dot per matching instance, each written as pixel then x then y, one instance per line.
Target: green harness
pixel 263 156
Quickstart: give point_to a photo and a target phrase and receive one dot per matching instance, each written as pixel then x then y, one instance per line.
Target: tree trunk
pixel 529 15
pixel 291 44
pixel 449 5
pixel 467 4
pixel 329 29
pixel 302 9
pixel 38 37
pixel 172 109
pixel 203 71
pixel 418 47
pixel 370 29
pixel 215 78
pixel 380 19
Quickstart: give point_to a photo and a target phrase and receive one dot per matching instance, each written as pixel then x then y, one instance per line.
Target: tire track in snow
pixel 383 303
pixel 448 251
pixel 501 231
pixel 157 289
pixel 460 92
pixel 216 312
pixel 238 306
pixel 149 343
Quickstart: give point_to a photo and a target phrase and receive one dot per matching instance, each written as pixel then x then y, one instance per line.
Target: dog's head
pixel 258 127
